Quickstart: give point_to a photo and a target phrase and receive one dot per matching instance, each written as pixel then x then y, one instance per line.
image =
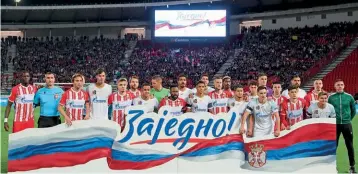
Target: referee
pixel 344 105
pixel 48 98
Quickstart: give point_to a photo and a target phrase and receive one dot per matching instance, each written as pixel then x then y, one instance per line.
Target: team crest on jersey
pixel 195 101
pixel 233 104
pixel 94 92
pixel 56 96
pixel 257 107
pixel 140 103
pixel 257 156
pixel 315 111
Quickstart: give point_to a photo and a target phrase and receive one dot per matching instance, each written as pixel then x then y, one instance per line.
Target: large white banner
pixel 160 142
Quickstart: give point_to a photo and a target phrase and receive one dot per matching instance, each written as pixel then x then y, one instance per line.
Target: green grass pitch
pixel 342 157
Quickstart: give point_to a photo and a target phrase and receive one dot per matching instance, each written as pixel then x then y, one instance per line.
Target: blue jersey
pixel 48 99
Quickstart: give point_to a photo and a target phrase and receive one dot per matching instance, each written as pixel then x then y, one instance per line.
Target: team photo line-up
pixel 263 110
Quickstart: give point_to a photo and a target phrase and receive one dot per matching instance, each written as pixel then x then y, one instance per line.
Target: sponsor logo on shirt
pixel 95 100
pixel 23 100
pixel 119 107
pixel 75 106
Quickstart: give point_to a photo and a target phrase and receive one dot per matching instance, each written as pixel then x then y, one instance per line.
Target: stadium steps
pixel 225 66
pixel 128 53
pixel 11 54
pixel 344 54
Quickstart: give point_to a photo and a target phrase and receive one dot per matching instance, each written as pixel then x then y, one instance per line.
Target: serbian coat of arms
pixel 257 156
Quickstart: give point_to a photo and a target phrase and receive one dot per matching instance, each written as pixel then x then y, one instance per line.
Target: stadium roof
pixel 134 11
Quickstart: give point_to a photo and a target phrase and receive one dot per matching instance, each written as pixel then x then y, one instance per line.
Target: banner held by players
pixel 151 139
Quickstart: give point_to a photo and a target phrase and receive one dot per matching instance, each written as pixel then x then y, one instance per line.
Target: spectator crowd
pixel 280 53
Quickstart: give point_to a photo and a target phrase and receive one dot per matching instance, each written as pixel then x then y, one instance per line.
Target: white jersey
pixel 200 104
pixel 315 112
pixel 149 104
pixel 301 93
pixel 210 89
pixel 184 94
pixel 264 124
pixel 239 108
pixel 252 97
pixel 99 100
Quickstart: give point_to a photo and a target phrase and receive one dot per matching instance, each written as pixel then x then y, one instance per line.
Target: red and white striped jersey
pixel 229 93
pixel 176 106
pixel 23 98
pixel 136 93
pixel 278 101
pixel 220 102
pixel 311 98
pixel 119 104
pixel 292 113
pixel 75 103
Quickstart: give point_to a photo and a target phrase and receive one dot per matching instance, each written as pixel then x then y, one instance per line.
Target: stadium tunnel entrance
pixel 135 33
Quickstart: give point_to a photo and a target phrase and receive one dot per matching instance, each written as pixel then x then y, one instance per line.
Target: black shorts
pixel 48 121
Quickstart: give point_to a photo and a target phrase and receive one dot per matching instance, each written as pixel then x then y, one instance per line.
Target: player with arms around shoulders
pixel 48 98
pixel 146 99
pixel 75 100
pixel 237 104
pixel 312 96
pixel 295 81
pixel 199 102
pixel 219 97
pixel 99 93
pixel 293 109
pixel 177 105
pixel 22 95
pixel 321 109
pixel 204 78
pixel 119 101
pixel 265 116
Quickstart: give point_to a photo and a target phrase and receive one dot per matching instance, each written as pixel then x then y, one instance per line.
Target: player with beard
pixel 295 81
pixel 183 90
pixel 147 100
pixel 227 87
pixel 177 105
pixel 219 97
pixel 99 93
pixel 133 86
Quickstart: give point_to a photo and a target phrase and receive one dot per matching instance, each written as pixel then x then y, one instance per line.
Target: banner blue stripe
pixel 127 156
pixel 216 150
pixel 58 147
pixel 301 150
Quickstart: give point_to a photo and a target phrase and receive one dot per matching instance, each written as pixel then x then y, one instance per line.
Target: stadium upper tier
pixel 12 16
pixel 279 53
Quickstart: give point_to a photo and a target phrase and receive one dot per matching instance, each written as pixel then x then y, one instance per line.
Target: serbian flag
pixel 309 142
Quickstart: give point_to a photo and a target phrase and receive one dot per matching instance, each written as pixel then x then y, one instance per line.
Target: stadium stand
pixel 282 53
pixel 67 56
pixel 344 71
